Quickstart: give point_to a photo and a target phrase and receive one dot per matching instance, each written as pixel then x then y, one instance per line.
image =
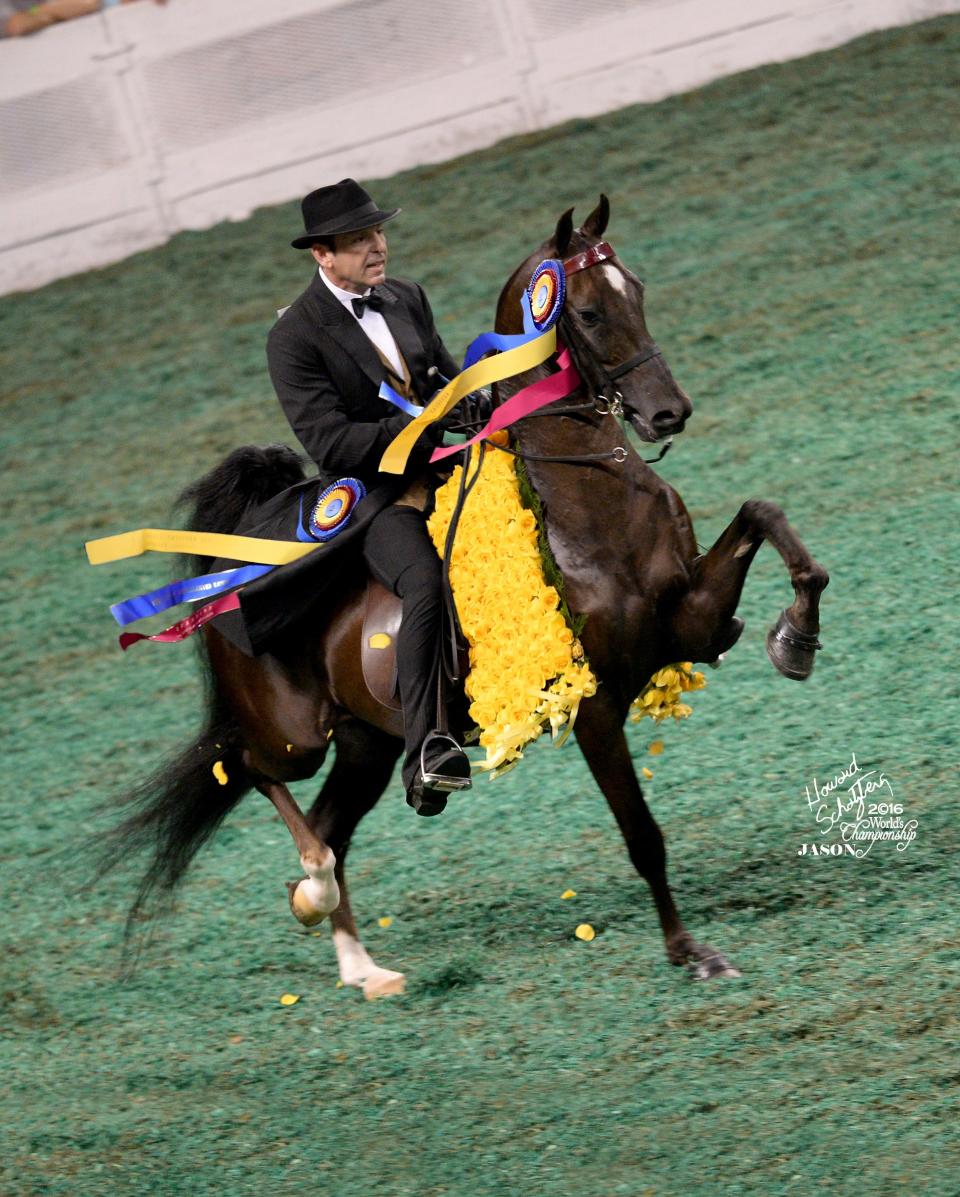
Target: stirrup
pixel 443 782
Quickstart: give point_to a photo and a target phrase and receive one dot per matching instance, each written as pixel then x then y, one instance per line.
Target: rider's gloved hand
pixel 472 412
pixel 478 406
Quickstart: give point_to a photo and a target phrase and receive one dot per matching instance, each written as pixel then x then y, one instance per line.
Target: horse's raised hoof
pixel 308 905
pixel 790 650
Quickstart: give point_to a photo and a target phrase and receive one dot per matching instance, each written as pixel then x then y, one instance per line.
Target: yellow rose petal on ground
pixel 220 773
pixel 585 932
pixel 655 748
pixel 569 893
pixel 339 984
pixel 289 999
pixel 385 921
pixel 647 773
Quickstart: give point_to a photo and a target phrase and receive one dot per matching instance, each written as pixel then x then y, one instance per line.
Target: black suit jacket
pixel 327 375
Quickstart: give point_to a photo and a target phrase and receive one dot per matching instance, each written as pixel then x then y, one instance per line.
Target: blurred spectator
pixel 28 17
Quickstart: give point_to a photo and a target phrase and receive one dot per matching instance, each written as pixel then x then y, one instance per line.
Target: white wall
pixel 120 129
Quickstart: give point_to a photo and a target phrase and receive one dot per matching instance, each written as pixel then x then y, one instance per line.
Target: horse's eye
pixel 589 316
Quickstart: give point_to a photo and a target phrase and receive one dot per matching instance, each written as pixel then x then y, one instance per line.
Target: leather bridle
pixel 601 405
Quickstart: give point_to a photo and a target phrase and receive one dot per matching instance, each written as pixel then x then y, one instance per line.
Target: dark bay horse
pixel 624 543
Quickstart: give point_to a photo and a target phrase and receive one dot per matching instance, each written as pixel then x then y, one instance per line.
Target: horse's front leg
pixel 599 731
pixel 705 622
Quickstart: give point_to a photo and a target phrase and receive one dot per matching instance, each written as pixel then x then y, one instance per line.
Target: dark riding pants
pixel 401 556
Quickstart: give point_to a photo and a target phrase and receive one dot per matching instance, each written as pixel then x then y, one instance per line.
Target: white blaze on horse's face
pixel 608 301
pixel 615 277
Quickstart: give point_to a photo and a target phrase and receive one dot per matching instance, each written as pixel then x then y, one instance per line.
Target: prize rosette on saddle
pixel 332 510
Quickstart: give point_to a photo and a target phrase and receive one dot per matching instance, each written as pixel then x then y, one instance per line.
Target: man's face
pixel 357 261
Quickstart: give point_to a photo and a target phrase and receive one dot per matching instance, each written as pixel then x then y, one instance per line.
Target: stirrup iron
pixel 441 781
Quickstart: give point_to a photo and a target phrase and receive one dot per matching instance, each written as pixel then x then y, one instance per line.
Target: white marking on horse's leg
pixel 357 968
pixel 317 894
pixel 744 547
pixel 615 277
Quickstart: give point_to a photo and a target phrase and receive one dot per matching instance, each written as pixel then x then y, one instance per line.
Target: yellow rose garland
pixel 526 666
pixel 527 669
pixel 660 698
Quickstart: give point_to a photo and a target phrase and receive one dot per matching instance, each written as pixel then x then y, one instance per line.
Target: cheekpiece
pixel 546 293
pixel 334 507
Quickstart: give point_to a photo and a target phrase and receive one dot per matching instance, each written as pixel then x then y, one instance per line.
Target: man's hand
pixel 472 411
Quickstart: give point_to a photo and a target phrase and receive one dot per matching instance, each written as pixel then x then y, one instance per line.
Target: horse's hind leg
pixel 361 772
pixel 599 731
pixel 313 897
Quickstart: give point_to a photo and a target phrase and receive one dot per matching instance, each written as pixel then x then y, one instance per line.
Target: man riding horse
pixel 621 538
pixel 351 330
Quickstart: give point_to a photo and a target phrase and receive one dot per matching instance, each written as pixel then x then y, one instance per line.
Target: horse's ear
pixel 561 238
pixel 598 219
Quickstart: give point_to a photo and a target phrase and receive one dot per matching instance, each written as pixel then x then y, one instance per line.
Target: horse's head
pixel 603 326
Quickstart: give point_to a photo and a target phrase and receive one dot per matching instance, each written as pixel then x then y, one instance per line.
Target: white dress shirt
pixel 372 323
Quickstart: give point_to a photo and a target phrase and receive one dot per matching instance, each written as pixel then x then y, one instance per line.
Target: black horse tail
pixel 178 808
pixel 244 479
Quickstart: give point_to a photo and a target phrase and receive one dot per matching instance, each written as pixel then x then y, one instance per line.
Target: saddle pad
pixel 378 644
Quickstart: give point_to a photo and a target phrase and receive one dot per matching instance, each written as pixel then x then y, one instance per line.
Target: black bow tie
pixel 372 301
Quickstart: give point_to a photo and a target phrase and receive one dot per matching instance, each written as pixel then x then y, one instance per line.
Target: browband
pixel 589 257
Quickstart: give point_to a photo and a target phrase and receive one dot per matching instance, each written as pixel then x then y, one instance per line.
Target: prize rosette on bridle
pixel 546 293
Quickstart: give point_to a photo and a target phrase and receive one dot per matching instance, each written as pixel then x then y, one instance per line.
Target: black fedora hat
pixel 343 207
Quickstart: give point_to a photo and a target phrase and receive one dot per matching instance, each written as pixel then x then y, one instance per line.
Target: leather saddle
pixel 378 644
pixel 382 612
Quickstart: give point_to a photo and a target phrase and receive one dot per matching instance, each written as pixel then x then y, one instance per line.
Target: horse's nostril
pixel 668 421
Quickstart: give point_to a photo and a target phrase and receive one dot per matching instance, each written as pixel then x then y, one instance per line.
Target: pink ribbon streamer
pixel 186 627
pixel 535 396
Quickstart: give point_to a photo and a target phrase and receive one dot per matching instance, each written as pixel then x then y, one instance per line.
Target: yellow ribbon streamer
pixel 201 544
pixel 481 374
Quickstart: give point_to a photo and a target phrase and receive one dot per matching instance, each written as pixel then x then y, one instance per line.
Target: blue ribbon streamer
pixel 187 590
pixel 387 392
pixel 302 534
pixel 503 341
